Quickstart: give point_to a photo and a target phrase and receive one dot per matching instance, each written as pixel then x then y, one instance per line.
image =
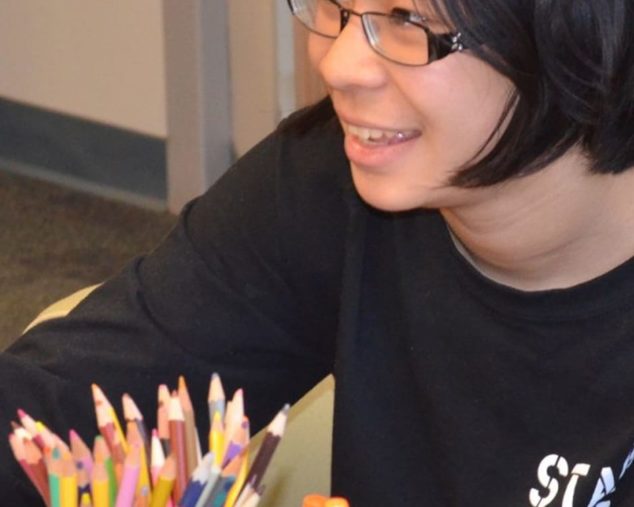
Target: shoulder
pixel 290 194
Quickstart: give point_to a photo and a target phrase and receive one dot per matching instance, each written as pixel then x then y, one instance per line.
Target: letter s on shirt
pixel 548 481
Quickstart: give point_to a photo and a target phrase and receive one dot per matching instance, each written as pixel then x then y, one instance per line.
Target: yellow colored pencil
pixel 69 493
pixel 100 485
pixel 165 483
pixel 216 439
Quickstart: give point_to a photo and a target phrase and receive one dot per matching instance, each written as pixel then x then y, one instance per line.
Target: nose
pixel 349 62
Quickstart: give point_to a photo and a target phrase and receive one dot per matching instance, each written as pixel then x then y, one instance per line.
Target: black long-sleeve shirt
pixel 451 390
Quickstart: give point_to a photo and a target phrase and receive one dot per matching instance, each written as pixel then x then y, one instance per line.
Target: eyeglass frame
pixel 438 45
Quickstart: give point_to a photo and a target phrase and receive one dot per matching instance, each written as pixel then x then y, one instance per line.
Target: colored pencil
pixel 239 468
pixel 274 433
pixel 30 459
pixel 143 488
pixel 216 438
pixel 83 479
pixel 223 484
pixel 157 457
pixel 254 498
pixel 53 458
pixel 127 487
pixel 233 495
pixel 47 436
pixel 197 482
pixel 80 451
pixel 31 426
pixel 245 494
pixel 100 482
pixel 164 484
pixel 162 418
pixel 108 431
pixel 216 398
pixel 85 500
pixel 212 479
pixel 131 413
pixel 191 436
pixel 102 453
pixel 233 416
pixel 177 444
pixel 238 442
pixel 68 486
pixel 100 399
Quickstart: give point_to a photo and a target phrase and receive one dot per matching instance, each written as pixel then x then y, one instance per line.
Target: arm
pixel 246 285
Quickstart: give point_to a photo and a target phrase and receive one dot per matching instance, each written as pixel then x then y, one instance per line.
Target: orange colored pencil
pixel 162 418
pixel 80 451
pixel 143 488
pixel 191 436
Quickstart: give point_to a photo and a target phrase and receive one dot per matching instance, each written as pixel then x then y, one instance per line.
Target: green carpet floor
pixel 54 241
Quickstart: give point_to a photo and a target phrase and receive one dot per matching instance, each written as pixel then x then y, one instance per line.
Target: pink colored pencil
pixel 129 478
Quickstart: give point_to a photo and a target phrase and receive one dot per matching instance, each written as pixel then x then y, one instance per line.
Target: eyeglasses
pixel 401 36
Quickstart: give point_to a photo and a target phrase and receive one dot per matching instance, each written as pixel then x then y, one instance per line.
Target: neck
pixel 553 229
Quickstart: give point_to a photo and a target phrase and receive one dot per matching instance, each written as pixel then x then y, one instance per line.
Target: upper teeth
pixel 374 134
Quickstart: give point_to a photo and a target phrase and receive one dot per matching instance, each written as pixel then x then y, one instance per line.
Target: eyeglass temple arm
pixel 444 44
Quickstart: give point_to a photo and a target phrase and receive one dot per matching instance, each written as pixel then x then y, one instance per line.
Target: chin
pixel 387 193
pixel 387 197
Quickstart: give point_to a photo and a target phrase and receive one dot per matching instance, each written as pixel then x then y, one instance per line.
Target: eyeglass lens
pixel 393 36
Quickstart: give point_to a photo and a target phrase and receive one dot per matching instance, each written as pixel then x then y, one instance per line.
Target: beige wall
pixel 103 60
pixel 261 44
pixel 97 59
pixel 252 45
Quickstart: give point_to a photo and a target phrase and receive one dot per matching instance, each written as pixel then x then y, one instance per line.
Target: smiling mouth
pixel 379 137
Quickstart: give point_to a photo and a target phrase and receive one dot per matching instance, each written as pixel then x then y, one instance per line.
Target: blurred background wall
pixel 144 100
pixel 98 60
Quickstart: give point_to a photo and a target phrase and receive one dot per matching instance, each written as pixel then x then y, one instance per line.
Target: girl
pixel 450 234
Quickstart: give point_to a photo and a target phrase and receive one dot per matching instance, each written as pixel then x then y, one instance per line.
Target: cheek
pixel 460 106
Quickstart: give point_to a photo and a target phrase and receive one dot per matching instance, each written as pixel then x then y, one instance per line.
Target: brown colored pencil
pixel 109 414
pixel 272 438
pixel 30 466
pixel 178 444
pixel 109 433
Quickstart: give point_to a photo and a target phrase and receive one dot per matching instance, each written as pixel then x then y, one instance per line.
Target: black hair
pixel 572 64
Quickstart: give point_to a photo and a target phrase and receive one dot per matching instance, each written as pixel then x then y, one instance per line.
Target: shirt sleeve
pixel 246 285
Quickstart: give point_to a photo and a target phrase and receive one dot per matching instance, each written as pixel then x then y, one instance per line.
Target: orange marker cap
pixel 314 501
pixel 336 502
